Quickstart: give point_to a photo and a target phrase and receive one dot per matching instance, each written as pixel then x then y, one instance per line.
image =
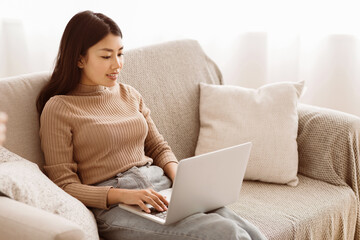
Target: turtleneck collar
pixel 86 89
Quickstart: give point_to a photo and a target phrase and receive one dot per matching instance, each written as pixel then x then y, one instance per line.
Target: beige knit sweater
pixel 95 132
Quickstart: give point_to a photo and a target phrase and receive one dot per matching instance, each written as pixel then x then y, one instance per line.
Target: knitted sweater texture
pixel 94 133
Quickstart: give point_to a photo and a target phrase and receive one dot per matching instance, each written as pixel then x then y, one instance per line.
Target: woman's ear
pixel 81 61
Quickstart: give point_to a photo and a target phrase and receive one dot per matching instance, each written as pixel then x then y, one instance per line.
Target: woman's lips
pixel 112 76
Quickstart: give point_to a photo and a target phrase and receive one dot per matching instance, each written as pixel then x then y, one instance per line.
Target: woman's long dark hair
pixel 84 30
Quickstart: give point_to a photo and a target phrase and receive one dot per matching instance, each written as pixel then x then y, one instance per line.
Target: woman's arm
pixel 170 170
pixel 155 145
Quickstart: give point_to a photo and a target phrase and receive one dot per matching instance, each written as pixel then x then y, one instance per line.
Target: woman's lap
pixel 222 223
pixel 116 223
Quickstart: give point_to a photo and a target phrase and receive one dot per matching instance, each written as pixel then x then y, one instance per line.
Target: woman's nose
pixel 118 63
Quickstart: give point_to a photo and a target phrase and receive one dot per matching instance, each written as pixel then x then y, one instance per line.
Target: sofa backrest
pixel 166 74
pixel 17 98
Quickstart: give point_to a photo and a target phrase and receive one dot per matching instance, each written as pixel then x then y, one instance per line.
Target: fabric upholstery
pixel 329 149
pixel 267 117
pixel 312 210
pixel 23 181
pixel 18 96
pixel 21 221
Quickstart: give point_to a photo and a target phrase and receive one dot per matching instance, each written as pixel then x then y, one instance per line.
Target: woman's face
pixel 103 62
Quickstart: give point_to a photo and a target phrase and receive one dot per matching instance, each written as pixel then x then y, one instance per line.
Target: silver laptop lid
pixel 208 181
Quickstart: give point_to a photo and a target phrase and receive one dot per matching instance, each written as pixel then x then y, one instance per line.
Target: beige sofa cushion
pixel 312 210
pixel 21 221
pixel 23 181
pixel 267 117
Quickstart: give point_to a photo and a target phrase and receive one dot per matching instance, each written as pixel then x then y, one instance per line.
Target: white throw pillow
pixel 23 181
pixel 267 117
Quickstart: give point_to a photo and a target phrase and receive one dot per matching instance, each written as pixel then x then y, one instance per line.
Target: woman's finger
pixel 3 117
pixel 2 138
pixel 162 199
pixel 154 201
pixel 143 206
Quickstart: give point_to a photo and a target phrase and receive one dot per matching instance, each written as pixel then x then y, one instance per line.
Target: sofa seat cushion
pixel 304 212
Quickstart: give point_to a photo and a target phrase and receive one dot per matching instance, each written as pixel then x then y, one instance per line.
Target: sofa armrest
pixel 21 221
pixel 328 145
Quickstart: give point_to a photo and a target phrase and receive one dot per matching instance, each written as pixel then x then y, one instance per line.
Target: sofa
pixel 323 205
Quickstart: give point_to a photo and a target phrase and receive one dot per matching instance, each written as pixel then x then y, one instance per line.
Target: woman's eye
pixel 106 57
pixel 120 54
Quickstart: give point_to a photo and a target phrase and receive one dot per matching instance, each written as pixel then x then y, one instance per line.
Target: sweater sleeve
pixel 57 146
pixel 155 145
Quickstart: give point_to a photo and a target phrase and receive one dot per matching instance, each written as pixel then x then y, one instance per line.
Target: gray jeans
pixel 117 223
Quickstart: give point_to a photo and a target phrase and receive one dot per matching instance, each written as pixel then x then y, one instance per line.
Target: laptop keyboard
pixel 156 213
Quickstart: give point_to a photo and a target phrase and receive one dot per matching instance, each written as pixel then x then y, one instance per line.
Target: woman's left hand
pixel 139 197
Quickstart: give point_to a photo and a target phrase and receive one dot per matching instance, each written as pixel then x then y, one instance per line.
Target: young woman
pixel 102 147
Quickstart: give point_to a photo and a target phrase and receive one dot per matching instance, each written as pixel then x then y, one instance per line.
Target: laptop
pixel 202 183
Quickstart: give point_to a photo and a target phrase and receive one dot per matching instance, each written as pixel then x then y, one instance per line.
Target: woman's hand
pixel 3 119
pixel 139 197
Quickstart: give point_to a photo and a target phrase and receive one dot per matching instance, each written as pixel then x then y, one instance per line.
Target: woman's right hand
pixel 3 119
pixel 139 197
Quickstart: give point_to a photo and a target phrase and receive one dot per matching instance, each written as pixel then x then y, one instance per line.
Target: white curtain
pixel 254 42
pixel 329 65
